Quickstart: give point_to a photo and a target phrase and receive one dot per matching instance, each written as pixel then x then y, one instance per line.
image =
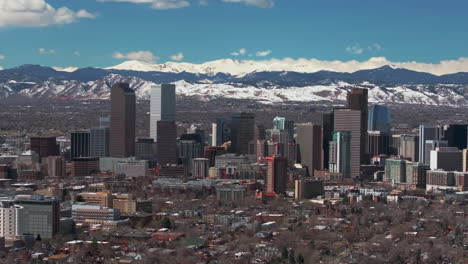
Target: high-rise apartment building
pixel 99 142
pixel 350 120
pixel 358 101
pixel 276 175
pixel 162 106
pixel 123 115
pixel 80 144
pixel 309 140
pixel 9 213
pixel 242 132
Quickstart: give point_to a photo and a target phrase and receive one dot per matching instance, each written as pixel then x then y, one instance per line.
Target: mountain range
pixel 387 84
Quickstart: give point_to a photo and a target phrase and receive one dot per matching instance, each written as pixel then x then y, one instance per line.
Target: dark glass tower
pixel 123 115
pixel 379 119
pixel 242 132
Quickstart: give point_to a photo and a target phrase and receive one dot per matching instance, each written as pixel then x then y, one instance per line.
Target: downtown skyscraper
pixel 162 106
pixel 122 125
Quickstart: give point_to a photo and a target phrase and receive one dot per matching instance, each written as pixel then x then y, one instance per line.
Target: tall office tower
pixel 104 121
pixel 223 131
pixel 162 106
pixel 281 123
pixel 379 118
pixel 40 215
pixel 395 145
pixel 340 153
pixel 327 136
pixel 144 148
pixel 357 100
pixel 427 132
pixel 214 137
pixel 99 142
pixel 242 132
pixel 56 166
pixel 79 146
pixel 8 218
pixel 378 143
pixel 447 159
pixel 200 168
pixel 457 136
pixel 276 175
pixel 309 140
pixel 409 147
pixel 122 127
pixel 45 146
pixel 166 143
pixel 189 147
pixel 350 120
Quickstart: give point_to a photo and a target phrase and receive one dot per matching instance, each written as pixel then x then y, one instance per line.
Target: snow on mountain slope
pixel 331 93
pixel 243 67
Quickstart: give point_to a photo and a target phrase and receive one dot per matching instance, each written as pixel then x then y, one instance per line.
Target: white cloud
pixel 1 68
pixel 257 3
pixel 375 47
pixel 177 57
pixel 66 69
pixel 77 53
pixel 354 49
pixel 156 4
pixel 2 57
pixel 46 51
pixel 240 52
pixel 142 55
pixel 37 13
pixel 263 53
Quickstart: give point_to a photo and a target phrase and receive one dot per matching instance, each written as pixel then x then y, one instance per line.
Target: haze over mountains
pixel 387 84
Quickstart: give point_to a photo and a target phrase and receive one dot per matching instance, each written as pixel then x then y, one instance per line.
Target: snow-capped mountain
pixel 387 84
pixel 242 67
pixel 331 93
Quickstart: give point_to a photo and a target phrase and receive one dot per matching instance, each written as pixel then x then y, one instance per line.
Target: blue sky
pixel 401 30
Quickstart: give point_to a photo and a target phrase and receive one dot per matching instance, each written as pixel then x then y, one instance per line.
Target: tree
pixel 94 245
pixel 166 223
pixel 292 259
pixel 300 259
pixel 284 253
